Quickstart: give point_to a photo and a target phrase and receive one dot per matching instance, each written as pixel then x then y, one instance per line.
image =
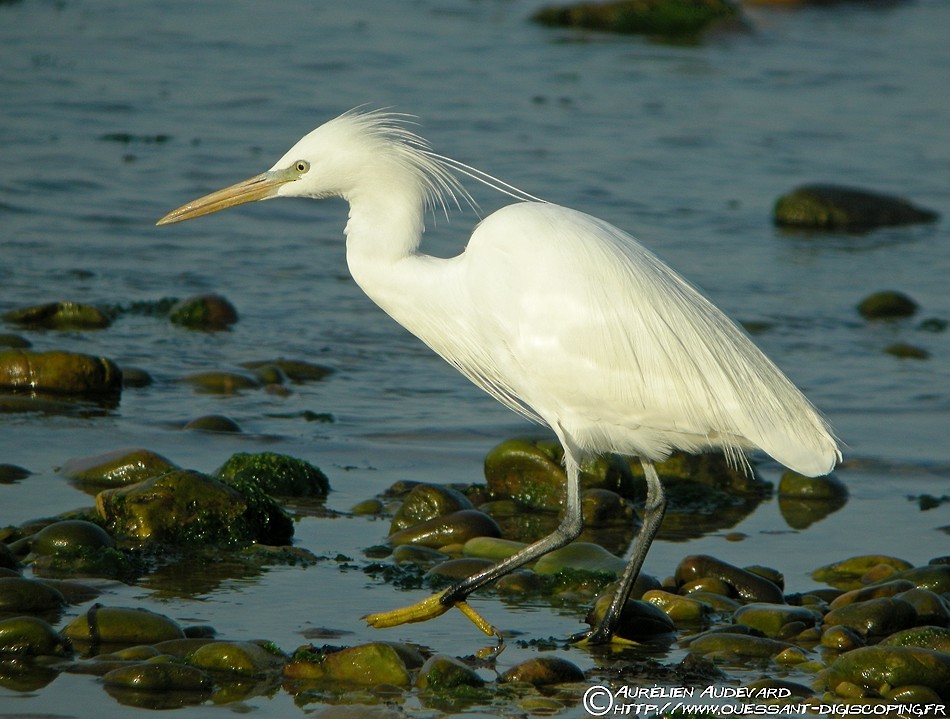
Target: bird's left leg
pixel 653 513
pixel 455 596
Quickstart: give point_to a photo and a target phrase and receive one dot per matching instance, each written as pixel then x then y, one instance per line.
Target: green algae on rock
pixel 880 669
pixel 158 677
pixel 59 372
pixel 850 573
pixel 662 18
pixel 442 672
pixel 832 207
pixel 185 506
pixel 59 316
pixel 117 468
pixel 247 659
pixel 28 596
pixel 873 617
pixel 276 474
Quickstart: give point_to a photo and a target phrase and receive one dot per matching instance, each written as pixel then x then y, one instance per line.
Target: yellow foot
pixel 428 609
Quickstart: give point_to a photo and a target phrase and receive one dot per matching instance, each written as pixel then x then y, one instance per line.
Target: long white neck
pixel 382 239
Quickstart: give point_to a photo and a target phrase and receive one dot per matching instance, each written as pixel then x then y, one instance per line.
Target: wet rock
pixel 213 423
pixel 188 507
pixel 831 207
pixel 59 372
pixel 117 468
pixel 544 670
pixel 841 638
pixel 457 527
pixel 878 669
pixel 442 672
pixel 14 342
pixel 874 617
pixel 135 377
pixel 530 472
pixel 59 316
pixel 7 560
pixel 799 486
pixel 772 619
pixel 204 312
pixel 750 587
pixel 30 636
pixel 425 502
pixel 276 474
pixel 244 658
pixel 681 610
pixel 935 577
pixel 158 677
pixel 707 470
pixel 580 555
pixel 492 548
pixel 739 645
pixel 368 507
pixel 295 370
pixel 365 664
pixel 640 620
pixel 19 594
pixel 459 568
pixel 10 473
pixel 887 589
pixel 416 554
pixel 218 382
pixel 602 507
pixel 887 304
pixel 70 535
pixel 935 638
pixel 663 18
pixel 931 608
pixel 903 350
pixel 121 625
pixel 849 573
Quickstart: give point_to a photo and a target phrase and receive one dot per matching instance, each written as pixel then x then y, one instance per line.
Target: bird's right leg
pixel 568 529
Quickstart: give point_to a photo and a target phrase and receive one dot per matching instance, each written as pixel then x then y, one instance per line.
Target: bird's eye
pixel 301 166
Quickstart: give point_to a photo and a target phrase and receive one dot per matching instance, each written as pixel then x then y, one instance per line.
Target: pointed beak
pixel 259 187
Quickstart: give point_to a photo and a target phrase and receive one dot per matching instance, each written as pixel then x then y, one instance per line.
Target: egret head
pixel 357 151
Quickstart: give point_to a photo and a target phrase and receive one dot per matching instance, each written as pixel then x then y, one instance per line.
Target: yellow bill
pixel 259 187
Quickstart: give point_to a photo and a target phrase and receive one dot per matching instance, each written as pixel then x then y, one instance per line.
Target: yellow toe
pixel 429 608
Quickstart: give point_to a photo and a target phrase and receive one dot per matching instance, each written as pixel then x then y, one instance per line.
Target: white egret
pixel 556 314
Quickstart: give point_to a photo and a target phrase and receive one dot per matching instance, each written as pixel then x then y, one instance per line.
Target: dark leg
pixel 652 518
pixel 570 526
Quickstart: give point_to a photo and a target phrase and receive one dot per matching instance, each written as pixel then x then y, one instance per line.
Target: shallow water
pixel 114 113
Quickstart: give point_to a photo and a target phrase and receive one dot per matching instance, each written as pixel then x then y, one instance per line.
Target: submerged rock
pixel 544 670
pixel 887 304
pixel 217 382
pixel 118 468
pixel 158 677
pixel 59 372
pixel 831 207
pixel 213 423
pixel 664 18
pixel 442 672
pixel 59 316
pixel 295 370
pixel 204 312
pixel 276 474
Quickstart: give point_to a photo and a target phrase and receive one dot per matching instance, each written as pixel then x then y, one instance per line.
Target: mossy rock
pixel 122 625
pixel 362 665
pixel 187 507
pixel 275 474
pixel 59 372
pixel 425 502
pixel 663 18
pixel 880 668
pixel 59 316
pixel 242 658
pixel 832 207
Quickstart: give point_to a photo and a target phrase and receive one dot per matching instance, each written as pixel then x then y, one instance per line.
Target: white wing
pixel 579 324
